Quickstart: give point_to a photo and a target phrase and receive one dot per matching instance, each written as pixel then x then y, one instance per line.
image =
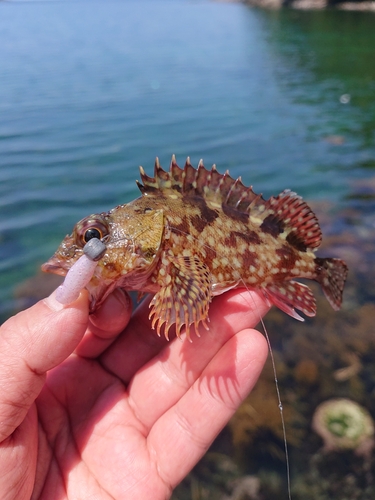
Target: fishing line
pixel 287 464
pixel 279 402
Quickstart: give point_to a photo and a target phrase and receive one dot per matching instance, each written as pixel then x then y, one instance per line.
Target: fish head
pixel 132 236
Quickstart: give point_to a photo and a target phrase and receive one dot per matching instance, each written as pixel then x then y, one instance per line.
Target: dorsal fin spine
pixel 221 189
pixel 157 166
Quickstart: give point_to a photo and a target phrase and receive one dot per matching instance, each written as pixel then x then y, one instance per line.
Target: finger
pixel 31 343
pixel 134 347
pixel 184 433
pixel 167 377
pixel 105 324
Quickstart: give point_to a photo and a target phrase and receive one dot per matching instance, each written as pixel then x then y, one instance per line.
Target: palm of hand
pixel 128 418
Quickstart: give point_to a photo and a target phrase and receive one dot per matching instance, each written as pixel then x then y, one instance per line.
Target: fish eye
pixel 91 233
pixel 89 228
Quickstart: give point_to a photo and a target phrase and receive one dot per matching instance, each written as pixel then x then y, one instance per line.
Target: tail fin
pixel 331 274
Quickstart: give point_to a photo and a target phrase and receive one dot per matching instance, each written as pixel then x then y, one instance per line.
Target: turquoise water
pixel 91 90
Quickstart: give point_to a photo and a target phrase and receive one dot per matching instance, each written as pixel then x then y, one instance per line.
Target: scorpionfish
pixel 196 233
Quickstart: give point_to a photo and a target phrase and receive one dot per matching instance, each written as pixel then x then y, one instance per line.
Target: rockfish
pixel 196 233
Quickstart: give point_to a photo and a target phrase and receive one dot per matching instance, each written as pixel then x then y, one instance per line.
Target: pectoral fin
pixel 184 296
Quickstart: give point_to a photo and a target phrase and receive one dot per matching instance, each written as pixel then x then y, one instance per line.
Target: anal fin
pixel 291 295
pixel 184 296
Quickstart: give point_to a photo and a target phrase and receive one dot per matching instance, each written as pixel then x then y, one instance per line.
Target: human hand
pixel 89 412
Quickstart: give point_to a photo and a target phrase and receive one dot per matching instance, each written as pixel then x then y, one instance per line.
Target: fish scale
pixel 195 233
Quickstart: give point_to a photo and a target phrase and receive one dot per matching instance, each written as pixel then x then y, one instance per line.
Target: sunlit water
pixel 91 90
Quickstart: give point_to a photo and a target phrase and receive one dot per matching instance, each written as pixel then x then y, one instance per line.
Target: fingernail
pixel 56 306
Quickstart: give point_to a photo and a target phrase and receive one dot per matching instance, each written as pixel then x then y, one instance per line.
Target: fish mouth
pixel 53 265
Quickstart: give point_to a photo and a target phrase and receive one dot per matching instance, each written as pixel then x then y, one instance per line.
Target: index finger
pixel 106 324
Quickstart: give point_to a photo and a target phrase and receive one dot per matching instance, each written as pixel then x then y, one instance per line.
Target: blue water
pixel 91 90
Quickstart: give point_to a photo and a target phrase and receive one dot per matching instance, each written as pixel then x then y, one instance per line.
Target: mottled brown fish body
pixel 195 233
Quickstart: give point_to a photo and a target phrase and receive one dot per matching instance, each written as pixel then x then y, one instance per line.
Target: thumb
pixel 31 343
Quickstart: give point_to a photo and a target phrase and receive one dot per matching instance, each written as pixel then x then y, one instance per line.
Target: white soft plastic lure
pixel 77 278
pixel 80 274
